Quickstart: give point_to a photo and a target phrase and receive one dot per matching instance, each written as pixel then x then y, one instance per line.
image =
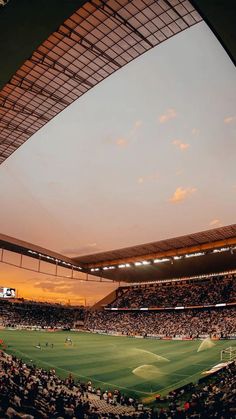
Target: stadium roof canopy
pixel 80 44
pixel 201 253
pixel 94 42
pixel 23 248
pixel 194 254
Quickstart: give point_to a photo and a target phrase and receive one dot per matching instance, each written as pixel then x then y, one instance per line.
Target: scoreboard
pixel 7 292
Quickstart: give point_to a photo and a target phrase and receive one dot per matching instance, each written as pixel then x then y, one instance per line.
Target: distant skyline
pixel 147 154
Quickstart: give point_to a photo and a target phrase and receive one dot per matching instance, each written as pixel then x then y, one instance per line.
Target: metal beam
pixel 88 45
pixel 20 266
pixel 24 110
pixel 12 127
pixel 54 63
pixel 113 13
pixel 34 88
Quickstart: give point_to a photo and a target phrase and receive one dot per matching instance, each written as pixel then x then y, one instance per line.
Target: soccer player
pixel 68 340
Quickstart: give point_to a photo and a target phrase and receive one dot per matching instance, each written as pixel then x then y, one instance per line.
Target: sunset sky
pixel 147 154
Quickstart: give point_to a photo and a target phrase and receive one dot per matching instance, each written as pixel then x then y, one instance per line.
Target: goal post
pixel 228 354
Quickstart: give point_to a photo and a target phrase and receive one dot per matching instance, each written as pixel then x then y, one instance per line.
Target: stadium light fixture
pixel 146 262
pixel 222 249
pixel 178 257
pixel 76 267
pixel 138 263
pixel 161 260
pixel 192 255
pixel 32 252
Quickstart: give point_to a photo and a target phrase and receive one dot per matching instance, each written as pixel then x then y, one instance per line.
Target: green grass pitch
pixel 139 367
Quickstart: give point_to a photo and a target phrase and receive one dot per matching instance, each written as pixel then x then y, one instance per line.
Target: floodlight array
pixel 51 259
pixel 171 259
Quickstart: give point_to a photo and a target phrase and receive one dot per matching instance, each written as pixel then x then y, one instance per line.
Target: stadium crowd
pixel 210 398
pixel 41 315
pixel 29 392
pixel 219 322
pixel 220 289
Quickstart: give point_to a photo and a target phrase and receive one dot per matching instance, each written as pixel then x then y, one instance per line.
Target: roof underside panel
pixel 98 39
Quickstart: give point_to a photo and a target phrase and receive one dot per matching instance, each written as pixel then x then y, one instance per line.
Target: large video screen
pixel 7 292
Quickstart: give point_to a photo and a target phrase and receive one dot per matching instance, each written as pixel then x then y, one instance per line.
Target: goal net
pixel 228 354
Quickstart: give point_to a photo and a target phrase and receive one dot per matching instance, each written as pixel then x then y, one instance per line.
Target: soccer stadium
pixel 118 197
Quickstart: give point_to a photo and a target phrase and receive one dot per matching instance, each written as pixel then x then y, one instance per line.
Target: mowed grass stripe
pixel 110 361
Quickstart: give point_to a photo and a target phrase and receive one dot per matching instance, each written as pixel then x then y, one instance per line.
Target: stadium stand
pixel 30 392
pixel 25 389
pixel 40 315
pixel 190 323
pixel 214 398
pixel 213 290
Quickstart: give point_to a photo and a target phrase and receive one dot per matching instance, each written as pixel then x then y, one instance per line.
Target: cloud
pixel 229 119
pixel 179 144
pixel 167 116
pixel 195 131
pixel 121 142
pixel 181 194
pixel 87 248
pixel 215 223
pixel 58 286
pixel 148 178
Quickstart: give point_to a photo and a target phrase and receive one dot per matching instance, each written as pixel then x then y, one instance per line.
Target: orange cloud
pixel 42 287
pixel 168 115
pixel 121 142
pixel 179 144
pixel 76 251
pixel 229 119
pixel 215 223
pixel 124 141
pixel 181 194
